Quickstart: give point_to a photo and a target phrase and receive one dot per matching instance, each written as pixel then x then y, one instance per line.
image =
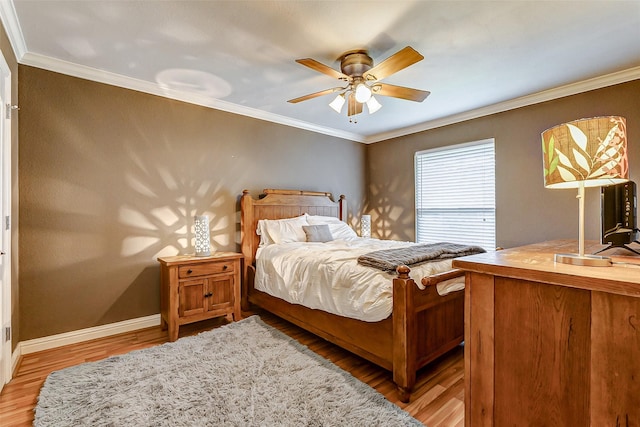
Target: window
pixel 455 194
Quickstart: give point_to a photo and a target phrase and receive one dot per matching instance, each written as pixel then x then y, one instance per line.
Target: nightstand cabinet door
pixel 219 296
pixel 191 295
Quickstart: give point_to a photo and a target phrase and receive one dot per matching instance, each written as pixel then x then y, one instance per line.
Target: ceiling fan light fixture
pixel 337 103
pixel 363 93
pixel 362 80
pixel 373 105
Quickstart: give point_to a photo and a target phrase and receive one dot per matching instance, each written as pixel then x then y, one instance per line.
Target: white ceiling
pixel 480 57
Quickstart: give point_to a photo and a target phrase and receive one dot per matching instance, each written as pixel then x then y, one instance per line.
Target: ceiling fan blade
pixel 407 93
pixel 317 66
pixel 396 62
pixel 355 107
pixel 315 95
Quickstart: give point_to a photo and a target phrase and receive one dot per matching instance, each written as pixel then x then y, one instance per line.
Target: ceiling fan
pixel 362 80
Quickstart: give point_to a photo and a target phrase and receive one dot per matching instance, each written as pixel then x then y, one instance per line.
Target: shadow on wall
pixel 159 214
pixel 110 179
pixel 95 215
pixel 390 206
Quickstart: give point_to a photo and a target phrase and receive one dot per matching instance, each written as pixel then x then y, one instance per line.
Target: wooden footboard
pixel 350 334
pixel 422 326
pixel 434 279
pixel 425 326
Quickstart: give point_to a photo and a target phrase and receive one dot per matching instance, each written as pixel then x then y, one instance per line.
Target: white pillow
pixel 342 231
pixel 284 230
pixel 319 220
pixel 338 228
pixel 261 231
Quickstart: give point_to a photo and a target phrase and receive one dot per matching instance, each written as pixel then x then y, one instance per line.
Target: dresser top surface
pixel 536 262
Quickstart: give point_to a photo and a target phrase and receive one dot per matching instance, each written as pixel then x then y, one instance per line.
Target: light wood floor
pixel 437 400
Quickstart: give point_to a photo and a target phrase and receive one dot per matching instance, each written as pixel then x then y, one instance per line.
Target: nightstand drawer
pixel 205 269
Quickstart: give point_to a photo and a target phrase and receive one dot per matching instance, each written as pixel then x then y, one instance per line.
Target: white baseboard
pixel 15 357
pixel 73 337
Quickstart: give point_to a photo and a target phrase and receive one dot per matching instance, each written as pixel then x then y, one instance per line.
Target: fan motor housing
pixel 356 64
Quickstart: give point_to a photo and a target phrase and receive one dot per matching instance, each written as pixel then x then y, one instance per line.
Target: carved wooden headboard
pixel 279 204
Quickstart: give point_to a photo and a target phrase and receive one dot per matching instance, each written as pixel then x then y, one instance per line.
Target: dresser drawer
pixel 205 269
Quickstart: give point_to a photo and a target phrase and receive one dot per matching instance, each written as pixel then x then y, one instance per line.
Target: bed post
pixel 343 208
pixel 404 333
pixel 247 243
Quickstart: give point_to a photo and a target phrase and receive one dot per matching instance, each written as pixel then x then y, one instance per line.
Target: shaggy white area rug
pixel 242 374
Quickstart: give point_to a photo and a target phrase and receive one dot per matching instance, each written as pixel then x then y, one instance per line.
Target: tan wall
pixel 110 179
pixel 526 211
pixel 9 56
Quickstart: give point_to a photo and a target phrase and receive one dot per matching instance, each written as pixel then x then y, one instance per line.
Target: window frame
pixel 488 239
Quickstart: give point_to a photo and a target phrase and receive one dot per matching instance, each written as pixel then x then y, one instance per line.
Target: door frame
pixel 5 221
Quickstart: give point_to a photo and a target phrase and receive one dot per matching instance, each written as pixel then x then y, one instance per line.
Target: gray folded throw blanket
pixel 390 259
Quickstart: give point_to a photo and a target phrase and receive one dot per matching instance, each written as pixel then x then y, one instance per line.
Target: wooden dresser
pixel 551 344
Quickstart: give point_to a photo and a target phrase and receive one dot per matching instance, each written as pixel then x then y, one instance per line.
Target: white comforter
pixel 327 276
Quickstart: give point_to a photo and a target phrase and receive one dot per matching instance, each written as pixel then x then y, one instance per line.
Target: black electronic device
pixel 619 207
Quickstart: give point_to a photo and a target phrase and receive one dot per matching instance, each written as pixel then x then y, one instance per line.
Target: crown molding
pixel 11 25
pixel 100 76
pixel 14 32
pixel 93 74
pixel 9 19
pixel 523 101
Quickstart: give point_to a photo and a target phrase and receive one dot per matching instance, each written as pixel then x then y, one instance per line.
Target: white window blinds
pixel 455 194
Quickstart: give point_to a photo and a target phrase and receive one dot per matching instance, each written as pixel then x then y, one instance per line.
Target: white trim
pixel 9 19
pixel 449 147
pixel 94 74
pixel 73 337
pixel 523 101
pixel 100 76
pixel 5 212
pixel 15 358
pixel 14 32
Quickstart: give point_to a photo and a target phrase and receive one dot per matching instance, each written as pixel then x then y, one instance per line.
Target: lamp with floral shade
pixel 585 153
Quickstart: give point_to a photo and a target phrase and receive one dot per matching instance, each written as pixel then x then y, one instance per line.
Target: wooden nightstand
pixel 198 288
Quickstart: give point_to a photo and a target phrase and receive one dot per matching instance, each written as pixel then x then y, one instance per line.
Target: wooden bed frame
pixel 423 324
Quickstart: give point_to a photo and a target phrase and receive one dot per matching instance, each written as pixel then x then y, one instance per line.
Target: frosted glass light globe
pixel 363 93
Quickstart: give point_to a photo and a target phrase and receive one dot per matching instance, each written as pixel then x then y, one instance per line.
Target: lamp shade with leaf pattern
pixel 592 151
pixel 585 153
